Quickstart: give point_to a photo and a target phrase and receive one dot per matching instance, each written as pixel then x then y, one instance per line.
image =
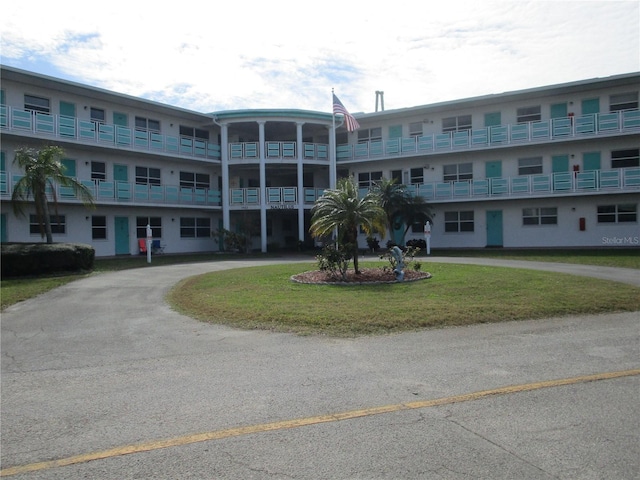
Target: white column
pixel 263 189
pixel 332 157
pixel 224 194
pixel 300 181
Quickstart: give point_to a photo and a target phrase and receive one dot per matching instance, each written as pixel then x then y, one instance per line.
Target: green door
pixel 591 161
pixel 120 173
pixel 560 163
pixel 67 109
pixel 121 227
pixel 559 110
pixel 590 106
pixel 494 228
pixel 120 119
pixel 492 119
pixel 493 170
pixel 3 228
pixel 69 167
pixel 395 131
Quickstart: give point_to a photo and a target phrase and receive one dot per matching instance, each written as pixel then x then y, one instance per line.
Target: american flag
pixel 350 122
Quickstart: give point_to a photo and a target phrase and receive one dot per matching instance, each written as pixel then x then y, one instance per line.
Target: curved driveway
pixel 102 365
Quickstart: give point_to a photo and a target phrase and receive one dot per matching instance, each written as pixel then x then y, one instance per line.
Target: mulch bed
pixel 366 276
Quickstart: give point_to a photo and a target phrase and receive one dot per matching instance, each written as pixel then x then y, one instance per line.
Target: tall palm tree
pixel 343 209
pixel 42 171
pixel 415 211
pixel 394 197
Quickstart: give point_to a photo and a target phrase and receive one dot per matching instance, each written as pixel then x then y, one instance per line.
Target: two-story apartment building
pixel 545 167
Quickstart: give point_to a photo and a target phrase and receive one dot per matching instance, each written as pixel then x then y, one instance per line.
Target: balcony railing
pixel 618 180
pixel 276 197
pixel 497 136
pixel 278 150
pixel 71 128
pixel 126 192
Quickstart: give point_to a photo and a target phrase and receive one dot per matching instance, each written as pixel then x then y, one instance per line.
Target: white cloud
pixel 210 56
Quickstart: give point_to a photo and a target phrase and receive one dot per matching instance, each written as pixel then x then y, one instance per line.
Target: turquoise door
pixel 120 173
pixel 560 163
pixel 121 227
pixel 492 119
pixel 591 161
pixel 3 228
pixel 67 109
pixel 590 106
pixel 493 170
pixel 398 230
pixel 559 110
pixel 494 228
pixel 120 119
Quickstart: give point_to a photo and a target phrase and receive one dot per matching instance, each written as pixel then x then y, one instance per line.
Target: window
pixel 147 124
pixel 147 176
pixel 456 124
pixel 194 180
pixel 191 227
pixel 618 213
pixel 154 222
pixel 623 101
pixel 97 115
pixel 98 171
pixel 193 132
pixel 367 179
pixel 625 158
pixel 397 176
pixel 540 216
pixel 529 114
pixel 530 166
pixel 417 175
pixel 458 221
pixel 415 129
pixel 369 134
pixel 99 227
pixel 457 172
pixel 58 224
pixel 36 104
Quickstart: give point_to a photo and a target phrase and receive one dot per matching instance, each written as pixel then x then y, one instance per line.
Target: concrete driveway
pixel 101 379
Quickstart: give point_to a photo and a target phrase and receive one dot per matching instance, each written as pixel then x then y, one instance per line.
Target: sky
pixel 212 56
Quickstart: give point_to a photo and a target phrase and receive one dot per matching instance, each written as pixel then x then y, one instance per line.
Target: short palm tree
pixel 415 211
pixel 42 171
pixel 393 199
pixel 343 209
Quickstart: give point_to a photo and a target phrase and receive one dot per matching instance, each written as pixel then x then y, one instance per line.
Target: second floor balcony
pixel 278 151
pixel 557 129
pixel 26 122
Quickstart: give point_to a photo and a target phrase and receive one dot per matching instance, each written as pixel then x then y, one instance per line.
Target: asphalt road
pixel 102 380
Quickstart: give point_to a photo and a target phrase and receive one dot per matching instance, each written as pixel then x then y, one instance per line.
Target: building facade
pixel 555 166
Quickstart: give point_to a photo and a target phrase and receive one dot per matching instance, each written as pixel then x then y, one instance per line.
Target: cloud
pixel 283 54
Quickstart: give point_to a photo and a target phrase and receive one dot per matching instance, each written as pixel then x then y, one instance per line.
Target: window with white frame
pixel 620 213
pixel 58 224
pixel 36 104
pixel 623 101
pixel 462 221
pixel 195 227
pixel 147 124
pixel 417 175
pixel 529 114
pixel 540 216
pixel 530 166
pixel 456 124
pixel 194 180
pixel 457 171
pixel 369 134
pixel 98 227
pixel 415 129
pixel 98 171
pixel 367 179
pixel 147 176
pixel 625 158
pixel 98 115
pixel 193 132
pixel 154 222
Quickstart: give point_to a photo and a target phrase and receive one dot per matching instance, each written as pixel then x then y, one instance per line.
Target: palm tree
pixel 42 171
pixel 394 197
pixel 415 211
pixel 343 209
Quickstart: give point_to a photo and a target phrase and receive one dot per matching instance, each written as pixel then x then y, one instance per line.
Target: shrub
pixel 407 258
pixel 420 243
pixel 23 259
pixel 335 261
pixel 373 243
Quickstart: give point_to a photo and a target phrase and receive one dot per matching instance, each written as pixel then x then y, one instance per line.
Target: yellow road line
pixel 302 422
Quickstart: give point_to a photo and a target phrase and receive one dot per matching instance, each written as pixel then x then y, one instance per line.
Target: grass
pixel 265 298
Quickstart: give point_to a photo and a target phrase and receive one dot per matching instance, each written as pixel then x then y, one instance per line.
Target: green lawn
pixel 265 298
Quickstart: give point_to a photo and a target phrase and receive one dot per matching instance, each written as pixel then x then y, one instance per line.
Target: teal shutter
pixel 69 167
pixel 67 109
pixel 590 106
pixel 492 119
pixel 591 161
pixel 559 110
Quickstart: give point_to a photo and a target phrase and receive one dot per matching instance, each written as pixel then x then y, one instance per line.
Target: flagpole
pixel 334 147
